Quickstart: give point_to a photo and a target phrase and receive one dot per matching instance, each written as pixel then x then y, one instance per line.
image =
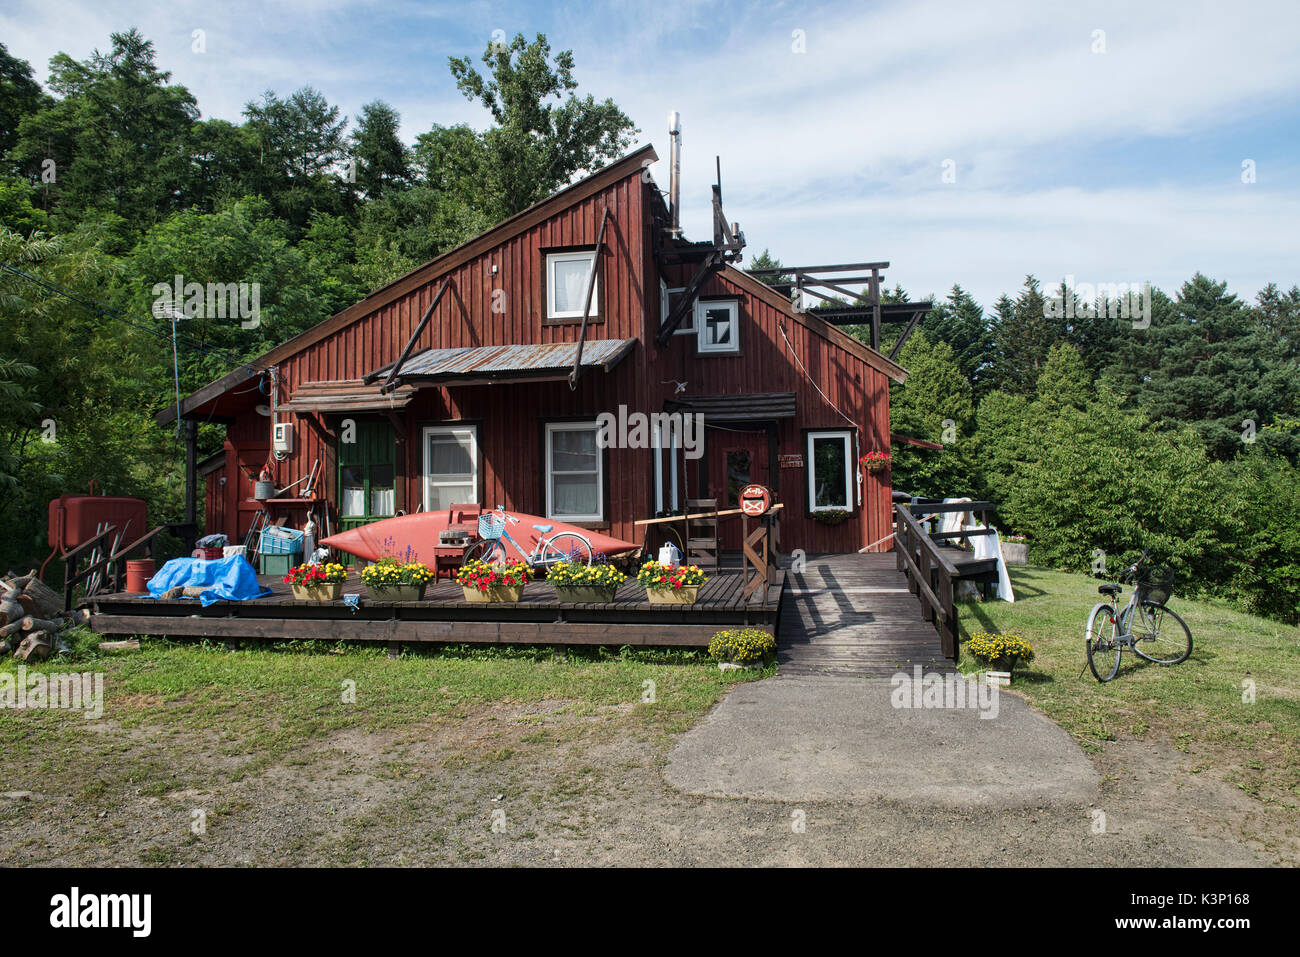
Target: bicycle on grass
pixel 1145 626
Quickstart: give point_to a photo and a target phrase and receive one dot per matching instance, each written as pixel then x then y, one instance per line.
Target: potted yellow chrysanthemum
pixel 584 583
pixel 391 580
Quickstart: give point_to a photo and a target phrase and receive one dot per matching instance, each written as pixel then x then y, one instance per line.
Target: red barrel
pixel 138 573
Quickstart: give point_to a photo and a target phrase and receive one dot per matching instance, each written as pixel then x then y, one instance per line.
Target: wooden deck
pixel 445 616
pixel 854 615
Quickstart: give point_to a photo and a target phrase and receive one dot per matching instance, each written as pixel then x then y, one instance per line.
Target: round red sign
pixel 755 500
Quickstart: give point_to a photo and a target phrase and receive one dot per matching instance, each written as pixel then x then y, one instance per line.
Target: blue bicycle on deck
pixel 494 535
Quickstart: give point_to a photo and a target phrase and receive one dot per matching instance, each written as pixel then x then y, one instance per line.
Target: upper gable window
pixel 717 322
pixel 566 284
pixel 666 299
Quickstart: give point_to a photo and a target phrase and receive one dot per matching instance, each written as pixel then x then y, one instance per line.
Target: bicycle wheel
pixel 565 547
pixel 1159 635
pixel 489 550
pixel 1103 646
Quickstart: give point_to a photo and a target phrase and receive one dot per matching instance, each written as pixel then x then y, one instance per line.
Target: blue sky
pixel 1115 166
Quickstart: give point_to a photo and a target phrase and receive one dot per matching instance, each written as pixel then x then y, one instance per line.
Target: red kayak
pixel 414 537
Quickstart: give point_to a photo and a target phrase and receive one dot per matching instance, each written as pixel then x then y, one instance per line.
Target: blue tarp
pixel 227 579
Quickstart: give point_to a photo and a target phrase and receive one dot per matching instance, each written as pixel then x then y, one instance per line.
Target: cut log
pixel 12 611
pixel 131 645
pixel 20 583
pixel 35 647
pixel 48 602
pixel 43 624
pixel 5 647
pixel 12 628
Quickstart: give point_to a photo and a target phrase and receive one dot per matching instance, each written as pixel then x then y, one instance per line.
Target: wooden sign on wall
pixel 790 460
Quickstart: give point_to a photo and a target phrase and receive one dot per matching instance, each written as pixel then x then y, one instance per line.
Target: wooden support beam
pixel 586 301
pixel 686 302
pixel 389 385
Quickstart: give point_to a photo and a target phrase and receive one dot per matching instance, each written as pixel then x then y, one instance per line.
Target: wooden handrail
pixel 930 574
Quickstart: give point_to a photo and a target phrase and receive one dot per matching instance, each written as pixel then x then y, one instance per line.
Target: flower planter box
pixel 685 595
pixel 318 592
pixel 495 593
pixel 396 592
pixel 1015 553
pixel 585 593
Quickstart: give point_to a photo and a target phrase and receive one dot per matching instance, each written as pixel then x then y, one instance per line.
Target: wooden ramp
pixel 853 615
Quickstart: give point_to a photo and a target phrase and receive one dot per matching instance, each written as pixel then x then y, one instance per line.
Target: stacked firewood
pixel 31 617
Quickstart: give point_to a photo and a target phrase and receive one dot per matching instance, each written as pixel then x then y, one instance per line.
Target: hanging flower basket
pixel 875 461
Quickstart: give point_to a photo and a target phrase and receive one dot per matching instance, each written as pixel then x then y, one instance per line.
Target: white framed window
pixel 566 285
pixel 450 466
pixel 830 470
pixel 687 326
pixel 575 490
pixel 717 322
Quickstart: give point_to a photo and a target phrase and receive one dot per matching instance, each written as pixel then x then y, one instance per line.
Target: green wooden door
pixel 367 475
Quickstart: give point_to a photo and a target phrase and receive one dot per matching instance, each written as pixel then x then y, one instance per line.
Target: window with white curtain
pixel 566 285
pixel 574 472
pixel 450 466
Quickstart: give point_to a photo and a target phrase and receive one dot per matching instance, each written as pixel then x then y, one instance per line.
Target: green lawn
pixel 1197 706
pixel 264 703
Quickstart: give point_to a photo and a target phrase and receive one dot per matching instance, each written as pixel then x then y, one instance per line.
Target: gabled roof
pixel 632 163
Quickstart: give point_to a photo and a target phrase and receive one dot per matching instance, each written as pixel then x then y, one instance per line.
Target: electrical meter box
pixel 282 441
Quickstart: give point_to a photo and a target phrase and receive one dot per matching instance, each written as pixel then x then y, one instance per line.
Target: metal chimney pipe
pixel 675 175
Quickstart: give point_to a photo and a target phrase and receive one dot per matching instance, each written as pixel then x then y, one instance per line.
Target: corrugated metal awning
pixel 744 407
pixel 346 395
pixel 508 363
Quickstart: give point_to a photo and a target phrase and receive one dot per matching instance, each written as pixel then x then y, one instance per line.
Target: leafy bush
pixel 742 645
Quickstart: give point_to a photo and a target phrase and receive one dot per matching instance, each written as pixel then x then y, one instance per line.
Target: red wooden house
pixel 488 401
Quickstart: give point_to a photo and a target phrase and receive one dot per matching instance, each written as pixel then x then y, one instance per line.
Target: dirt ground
pixel 543 784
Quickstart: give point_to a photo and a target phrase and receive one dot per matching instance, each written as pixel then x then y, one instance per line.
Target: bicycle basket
pixel 491 526
pixel 1156 584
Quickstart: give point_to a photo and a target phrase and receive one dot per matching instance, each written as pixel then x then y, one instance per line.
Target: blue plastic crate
pixel 275 540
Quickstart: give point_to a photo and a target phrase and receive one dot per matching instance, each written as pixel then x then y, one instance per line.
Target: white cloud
pixel 834 154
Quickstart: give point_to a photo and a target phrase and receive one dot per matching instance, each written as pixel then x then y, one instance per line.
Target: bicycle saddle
pixel 1109 589
pixel 543 528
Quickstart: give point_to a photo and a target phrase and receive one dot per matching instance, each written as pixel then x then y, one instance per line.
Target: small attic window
pixel 566 284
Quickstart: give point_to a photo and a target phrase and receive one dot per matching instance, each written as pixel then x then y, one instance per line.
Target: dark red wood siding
pixel 511 416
